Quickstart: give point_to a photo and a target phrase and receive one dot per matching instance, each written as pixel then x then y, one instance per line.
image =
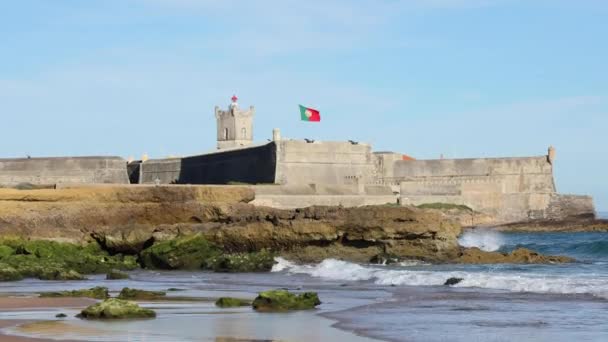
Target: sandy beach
pixel 21 303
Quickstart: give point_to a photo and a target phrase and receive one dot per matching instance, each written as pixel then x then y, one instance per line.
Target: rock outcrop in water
pixel 208 227
pixel 519 256
pixel 282 300
pixel 116 309
pixel 127 220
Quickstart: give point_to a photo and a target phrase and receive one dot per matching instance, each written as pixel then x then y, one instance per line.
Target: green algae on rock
pixel 242 262
pixel 229 302
pixel 115 275
pixel 127 293
pixel 50 260
pixel 9 273
pixel 114 308
pixel 189 252
pixel 282 300
pixel 98 292
pixel 59 274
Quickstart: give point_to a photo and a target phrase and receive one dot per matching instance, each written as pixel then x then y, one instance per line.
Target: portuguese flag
pixel 309 114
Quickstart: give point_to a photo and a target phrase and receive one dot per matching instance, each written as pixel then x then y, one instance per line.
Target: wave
pixel 597 249
pixel 485 239
pixel 332 269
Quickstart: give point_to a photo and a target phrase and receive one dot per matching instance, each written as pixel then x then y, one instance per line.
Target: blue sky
pixel 462 78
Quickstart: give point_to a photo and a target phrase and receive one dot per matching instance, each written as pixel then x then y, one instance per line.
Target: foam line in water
pixel 332 269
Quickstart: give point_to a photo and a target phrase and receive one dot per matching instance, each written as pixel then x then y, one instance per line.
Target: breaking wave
pixel 484 239
pixel 332 269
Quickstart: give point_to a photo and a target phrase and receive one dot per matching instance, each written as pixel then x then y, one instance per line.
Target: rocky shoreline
pixel 66 233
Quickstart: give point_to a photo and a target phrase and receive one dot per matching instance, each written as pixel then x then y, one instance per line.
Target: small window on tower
pixel 225 133
pixel 244 132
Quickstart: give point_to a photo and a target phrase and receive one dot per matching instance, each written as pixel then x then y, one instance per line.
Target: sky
pixel 458 78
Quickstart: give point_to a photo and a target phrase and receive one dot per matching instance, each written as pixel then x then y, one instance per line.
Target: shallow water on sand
pixel 404 302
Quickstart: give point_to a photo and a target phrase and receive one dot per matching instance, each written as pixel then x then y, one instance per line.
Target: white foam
pixel 517 281
pixel 484 239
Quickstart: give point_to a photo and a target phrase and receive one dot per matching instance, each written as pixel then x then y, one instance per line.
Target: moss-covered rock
pixel 229 302
pixel 9 273
pixel 136 294
pixel 114 308
pixel 98 292
pixel 242 262
pixel 50 260
pixel 282 300
pixel 188 252
pixel 6 251
pixel 115 275
pixel 59 274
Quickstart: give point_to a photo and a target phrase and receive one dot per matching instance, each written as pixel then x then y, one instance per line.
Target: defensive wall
pixel 300 196
pixel 326 162
pixel 63 170
pixel 509 189
pixel 252 165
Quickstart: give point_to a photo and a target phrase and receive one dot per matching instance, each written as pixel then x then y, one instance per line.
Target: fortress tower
pixel 234 126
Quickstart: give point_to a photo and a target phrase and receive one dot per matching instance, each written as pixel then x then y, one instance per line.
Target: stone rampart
pixel 515 175
pixel 250 165
pixel 63 170
pixel 327 162
pixel 301 196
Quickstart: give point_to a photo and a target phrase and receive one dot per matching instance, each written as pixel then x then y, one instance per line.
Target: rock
pixel 136 294
pixel 61 315
pixel 519 256
pixel 384 259
pixel 50 260
pixel 58 274
pixel 174 289
pixel 6 251
pixel 115 275
pixel 281 300
pixel 188 252
pixel 114 308
pixel 229 302
pixel 8 273
pixel 242 262
pixel 452 281
pixel 127 220
pixel 98 292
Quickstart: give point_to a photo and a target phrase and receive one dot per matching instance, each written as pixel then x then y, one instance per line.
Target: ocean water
pixel 405 302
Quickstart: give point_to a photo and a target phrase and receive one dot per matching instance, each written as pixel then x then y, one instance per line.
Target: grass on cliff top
pixel 444 206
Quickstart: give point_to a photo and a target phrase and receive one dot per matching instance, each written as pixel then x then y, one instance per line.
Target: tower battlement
pixel 234 125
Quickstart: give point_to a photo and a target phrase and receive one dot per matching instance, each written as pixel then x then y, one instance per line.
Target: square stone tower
pixel 234 126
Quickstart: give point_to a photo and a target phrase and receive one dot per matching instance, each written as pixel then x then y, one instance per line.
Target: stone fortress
pixel 288 173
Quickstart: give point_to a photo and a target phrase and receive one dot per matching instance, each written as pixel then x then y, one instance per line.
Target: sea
pixel 363 302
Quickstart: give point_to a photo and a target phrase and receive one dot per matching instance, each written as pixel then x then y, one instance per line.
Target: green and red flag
pixel 309 114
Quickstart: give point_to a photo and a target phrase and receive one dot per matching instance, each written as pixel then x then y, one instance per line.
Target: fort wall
pixel 300 196
pixel 301 162
pixel 251 165
pixel 63 170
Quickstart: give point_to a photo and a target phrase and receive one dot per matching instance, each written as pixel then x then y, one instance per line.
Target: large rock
pixel 188 252
pixel 519 256
pixel 128 220
pixel 114 308
pixel 282 300
pixel 136 294
pixel 98 292
pixel 229 302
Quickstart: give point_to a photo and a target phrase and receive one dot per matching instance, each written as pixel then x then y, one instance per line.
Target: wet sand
pixel 32 303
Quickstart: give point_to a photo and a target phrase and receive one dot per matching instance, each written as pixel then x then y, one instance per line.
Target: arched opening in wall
pixel 225 133
pixel 244 133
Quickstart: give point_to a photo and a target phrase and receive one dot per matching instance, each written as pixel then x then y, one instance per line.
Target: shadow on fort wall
pixel 255 165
